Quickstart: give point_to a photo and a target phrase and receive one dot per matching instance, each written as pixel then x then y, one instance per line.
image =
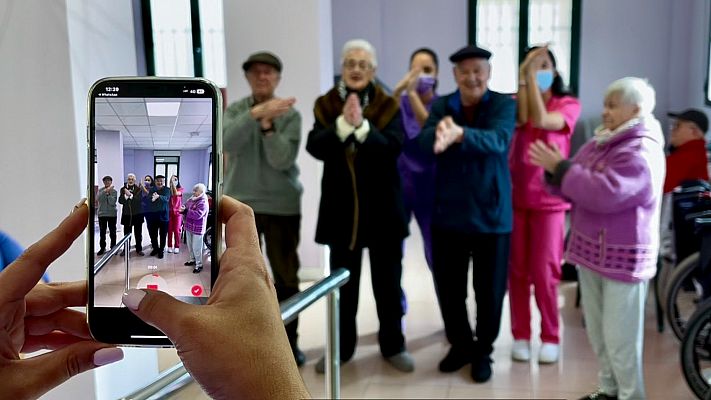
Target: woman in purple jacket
pixel 614 183
pixel 195 209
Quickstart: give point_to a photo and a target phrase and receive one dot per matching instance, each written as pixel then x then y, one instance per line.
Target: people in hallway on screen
pixel 175 219
pixel 546 112
pixel 130 198
pixel 614 183
pixel 357 134
pixel 157 215
pixel 106 210
pixel 195 210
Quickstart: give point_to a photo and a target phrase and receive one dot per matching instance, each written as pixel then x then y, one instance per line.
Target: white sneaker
pixel 170 249
pixel 549 353
pixel 521 350
pixel 176 250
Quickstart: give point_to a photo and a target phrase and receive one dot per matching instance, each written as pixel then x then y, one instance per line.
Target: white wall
pixel 300 34
pixel 52 51
pixel 109 153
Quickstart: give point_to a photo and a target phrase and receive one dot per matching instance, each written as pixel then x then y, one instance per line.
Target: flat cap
pixel 692 115
pixel 470 51
pixel 263 57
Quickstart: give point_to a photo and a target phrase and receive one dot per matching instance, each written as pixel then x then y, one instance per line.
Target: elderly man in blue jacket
pixel 468 132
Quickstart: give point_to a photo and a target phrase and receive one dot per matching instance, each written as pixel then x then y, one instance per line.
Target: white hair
pixel 359 44
pixel 634 91
pixel 201 187
pixel 131 175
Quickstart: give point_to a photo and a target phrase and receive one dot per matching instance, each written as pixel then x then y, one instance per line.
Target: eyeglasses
pixel 353 64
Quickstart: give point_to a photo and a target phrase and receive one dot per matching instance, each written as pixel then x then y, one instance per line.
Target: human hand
pixel 545 156
pixel 234 346
pixel 447 133
pixel 272 108
pixel 36 316
pixel 182 208
pixel 533 61
pixel 352 111
pixel 155 196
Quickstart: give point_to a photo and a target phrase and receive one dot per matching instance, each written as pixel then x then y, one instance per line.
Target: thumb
pixel 157 308
pixel 48 370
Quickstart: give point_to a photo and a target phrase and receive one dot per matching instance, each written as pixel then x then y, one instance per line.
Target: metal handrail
pixel 177 377
pixel 107 256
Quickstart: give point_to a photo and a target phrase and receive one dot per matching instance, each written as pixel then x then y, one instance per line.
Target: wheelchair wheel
pixel 696 352
pixel 681 303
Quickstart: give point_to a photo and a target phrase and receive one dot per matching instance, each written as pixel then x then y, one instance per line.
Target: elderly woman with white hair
pixel 614 183
pixel 196 209
pixel 357 134
pixel 132 211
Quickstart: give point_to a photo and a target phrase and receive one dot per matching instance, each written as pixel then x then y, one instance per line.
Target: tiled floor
pixel 167 274
pixel 369 376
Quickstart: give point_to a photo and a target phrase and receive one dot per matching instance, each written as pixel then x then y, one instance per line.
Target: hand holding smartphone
pixel 159 127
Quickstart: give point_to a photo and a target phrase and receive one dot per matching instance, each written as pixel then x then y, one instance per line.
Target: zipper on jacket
pixel 351 152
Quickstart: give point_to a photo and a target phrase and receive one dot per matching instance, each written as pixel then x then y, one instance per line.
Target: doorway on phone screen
pixel 158 153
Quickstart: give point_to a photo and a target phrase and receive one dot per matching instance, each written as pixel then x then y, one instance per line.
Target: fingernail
pixel 79 204
pixel 107 356
pixel 132 298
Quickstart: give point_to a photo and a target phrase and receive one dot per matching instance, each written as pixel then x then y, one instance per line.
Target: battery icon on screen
pixel 200 91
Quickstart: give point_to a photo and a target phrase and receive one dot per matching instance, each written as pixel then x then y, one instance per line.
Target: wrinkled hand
pixel 352 111
pixel 446 134
pixel 545 156
pixel 272 108
pixel 236 345
pixel 37 317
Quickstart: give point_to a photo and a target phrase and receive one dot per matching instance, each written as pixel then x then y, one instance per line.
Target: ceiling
pixel 189 130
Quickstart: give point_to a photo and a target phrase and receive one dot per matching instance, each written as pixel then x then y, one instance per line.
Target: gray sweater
pixel 107 202
pixel 261 170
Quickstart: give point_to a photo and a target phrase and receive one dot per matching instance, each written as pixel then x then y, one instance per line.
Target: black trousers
pixel 157 228
pixel 451 254
pixel 103 223
pixel 281 235
pixel 385 273
pixel 135 222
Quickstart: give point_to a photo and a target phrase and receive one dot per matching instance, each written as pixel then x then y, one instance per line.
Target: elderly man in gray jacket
pixel 106 210
pixel 261 134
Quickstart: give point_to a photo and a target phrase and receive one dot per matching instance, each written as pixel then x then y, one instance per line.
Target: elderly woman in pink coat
pixel 195 209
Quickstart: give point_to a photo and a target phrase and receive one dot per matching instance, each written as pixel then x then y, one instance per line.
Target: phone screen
pixel 153 176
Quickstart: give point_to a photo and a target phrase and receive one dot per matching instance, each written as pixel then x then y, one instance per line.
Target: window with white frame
pixel 185 38
pixel 508 27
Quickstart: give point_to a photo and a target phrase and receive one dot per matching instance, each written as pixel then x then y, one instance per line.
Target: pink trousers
pixel 536 258
pixel 174 225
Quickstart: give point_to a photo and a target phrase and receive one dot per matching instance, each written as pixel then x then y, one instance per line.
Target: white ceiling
pixel 191 129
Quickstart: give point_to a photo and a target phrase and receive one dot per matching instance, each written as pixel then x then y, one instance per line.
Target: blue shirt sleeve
pixel 9 251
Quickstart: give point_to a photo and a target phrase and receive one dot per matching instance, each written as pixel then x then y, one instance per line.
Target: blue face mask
pixel 544 79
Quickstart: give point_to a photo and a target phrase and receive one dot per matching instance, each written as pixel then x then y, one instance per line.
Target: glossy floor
pixel 369 376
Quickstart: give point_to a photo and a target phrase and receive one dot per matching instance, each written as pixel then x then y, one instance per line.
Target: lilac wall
pixel 627 38
pixel 396 28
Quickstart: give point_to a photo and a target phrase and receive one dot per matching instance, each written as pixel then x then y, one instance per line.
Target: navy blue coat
pixel 473 184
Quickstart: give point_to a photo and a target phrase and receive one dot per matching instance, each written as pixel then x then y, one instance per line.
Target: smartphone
pixel 141 128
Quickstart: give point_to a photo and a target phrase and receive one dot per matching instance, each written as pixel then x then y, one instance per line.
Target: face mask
pixel 148 183
pixel 544 79
pixel 425 83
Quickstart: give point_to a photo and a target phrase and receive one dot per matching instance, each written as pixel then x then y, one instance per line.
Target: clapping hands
pixel 447 133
